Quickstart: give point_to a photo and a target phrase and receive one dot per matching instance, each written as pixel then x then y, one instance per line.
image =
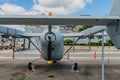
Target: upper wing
pixel 31 35
pixel 68 35
pixel 58 20
pixel 86 33
pixel 17 32
pixel 93 30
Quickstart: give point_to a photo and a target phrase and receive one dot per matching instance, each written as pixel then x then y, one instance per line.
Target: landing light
pixel 50 13
pixel 49 62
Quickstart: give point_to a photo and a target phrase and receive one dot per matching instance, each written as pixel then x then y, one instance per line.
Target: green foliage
pixel 94 44
pixel 68 41
pixel 83 28
pixel 83 44
pixel 110 43
pixel 106 44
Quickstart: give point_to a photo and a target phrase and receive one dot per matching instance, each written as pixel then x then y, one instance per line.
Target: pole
pixel 40 56
pixel 89 43
pixel 24 44
pixel 68 55
pixel 29 44
pixel 13 55
pixel 102 55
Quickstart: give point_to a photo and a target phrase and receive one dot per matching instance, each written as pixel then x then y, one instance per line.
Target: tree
pixel 83 28
pixel 110 42
pixel 68 41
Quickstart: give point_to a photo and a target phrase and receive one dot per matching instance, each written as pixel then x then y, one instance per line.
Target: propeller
pixel 50 38
pixel 49 49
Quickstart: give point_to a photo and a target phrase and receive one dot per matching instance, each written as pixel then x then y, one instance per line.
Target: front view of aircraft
pixel 52 46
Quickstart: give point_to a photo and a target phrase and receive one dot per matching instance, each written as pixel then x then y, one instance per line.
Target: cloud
pixel 60 7
pixel 11 9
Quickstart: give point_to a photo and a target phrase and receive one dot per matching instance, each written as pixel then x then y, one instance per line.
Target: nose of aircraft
pixel 50 37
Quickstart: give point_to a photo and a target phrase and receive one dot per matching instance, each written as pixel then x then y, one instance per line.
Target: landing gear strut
pixel 54 61
pixel 74 67
pixel 31 67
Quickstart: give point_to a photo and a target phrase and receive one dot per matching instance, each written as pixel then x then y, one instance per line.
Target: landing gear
pixel 31 67
pixel 54 61
pixel 74 67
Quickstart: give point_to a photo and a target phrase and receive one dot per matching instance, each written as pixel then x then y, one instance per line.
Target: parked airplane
pixel 52 47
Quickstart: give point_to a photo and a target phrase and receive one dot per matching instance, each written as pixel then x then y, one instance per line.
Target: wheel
pixel 30 66
pixel 54 61
pixel 75 66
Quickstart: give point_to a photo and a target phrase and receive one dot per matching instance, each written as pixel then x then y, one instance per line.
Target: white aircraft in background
pixel 52 46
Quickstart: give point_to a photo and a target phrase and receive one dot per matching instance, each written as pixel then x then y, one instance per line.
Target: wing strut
pixel 118 23
pixel 34 44
pixel 71 46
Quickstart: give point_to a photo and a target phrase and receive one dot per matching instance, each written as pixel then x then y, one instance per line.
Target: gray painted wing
pixel 68 35
pixel 58 20
pixel 93 30
pixel 31 34
pixel 16 32
pixel 86 33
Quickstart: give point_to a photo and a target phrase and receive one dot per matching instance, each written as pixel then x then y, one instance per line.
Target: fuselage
pixel 57 45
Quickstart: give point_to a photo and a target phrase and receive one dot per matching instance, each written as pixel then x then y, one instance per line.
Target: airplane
pixel 52 46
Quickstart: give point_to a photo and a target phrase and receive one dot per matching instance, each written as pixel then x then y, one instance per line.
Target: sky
pixel 58 7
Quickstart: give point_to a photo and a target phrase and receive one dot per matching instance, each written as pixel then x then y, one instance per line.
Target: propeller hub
pixel 50 37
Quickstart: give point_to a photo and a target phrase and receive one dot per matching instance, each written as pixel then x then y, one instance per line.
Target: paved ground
pixel 81 55
pixel 89 69
pixel 17 70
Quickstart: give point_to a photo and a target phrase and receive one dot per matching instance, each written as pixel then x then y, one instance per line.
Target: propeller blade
pixel 49 50
pixel 50 28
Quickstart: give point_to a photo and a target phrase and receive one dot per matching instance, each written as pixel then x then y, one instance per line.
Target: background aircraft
pixel 52 47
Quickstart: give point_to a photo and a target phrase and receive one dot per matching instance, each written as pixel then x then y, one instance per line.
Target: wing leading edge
pixel 86 33
pixel 16 32
pixel 58 20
